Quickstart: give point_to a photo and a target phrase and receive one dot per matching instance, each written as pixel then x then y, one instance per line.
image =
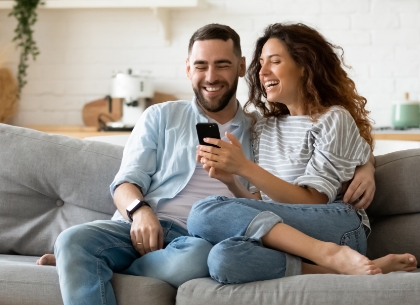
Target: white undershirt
pixel 199 187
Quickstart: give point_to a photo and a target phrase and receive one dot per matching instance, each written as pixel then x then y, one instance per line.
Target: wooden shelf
pixel 161 8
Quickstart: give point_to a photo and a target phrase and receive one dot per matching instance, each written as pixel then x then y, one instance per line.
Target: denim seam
pixel 167 229
pixel 99 262
pixel 352 232
pixel 102 281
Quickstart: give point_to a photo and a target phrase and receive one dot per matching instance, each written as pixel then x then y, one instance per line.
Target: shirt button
pixel 59 202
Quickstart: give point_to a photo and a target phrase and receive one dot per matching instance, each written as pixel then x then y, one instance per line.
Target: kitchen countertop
pixel 85 131
pixel 412 134
pixel 76 131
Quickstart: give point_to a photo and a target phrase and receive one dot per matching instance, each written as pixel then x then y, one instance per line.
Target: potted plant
pixel 25 13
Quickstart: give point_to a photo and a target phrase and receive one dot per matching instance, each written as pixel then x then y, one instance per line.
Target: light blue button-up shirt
pixel 160 155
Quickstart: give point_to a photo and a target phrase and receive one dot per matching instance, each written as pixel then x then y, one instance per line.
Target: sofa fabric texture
pixel 49 183
pixel 23 282
pixel 323 289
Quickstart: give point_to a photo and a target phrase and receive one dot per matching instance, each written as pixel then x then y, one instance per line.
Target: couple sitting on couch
pixel 313 139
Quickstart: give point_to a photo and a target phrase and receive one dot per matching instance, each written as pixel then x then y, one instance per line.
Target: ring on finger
pixel 139 243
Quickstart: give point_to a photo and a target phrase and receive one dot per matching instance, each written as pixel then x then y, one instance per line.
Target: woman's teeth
pixel 270 84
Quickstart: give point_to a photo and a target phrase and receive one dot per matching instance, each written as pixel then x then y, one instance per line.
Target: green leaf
pixel 25 13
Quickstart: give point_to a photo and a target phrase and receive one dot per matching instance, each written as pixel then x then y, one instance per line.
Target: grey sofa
pixel 49 183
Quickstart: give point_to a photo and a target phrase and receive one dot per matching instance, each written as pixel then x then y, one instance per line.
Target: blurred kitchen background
pixel 81 48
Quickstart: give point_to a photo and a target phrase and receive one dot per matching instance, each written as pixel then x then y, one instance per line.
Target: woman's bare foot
pixel 344 260
pixel 396 262
pixel 315 269
pixel 46 260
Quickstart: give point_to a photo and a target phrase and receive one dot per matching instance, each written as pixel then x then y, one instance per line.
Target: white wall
pixel 80 49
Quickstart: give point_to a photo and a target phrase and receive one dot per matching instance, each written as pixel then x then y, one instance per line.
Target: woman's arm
pixel 232 183
pixel 280 190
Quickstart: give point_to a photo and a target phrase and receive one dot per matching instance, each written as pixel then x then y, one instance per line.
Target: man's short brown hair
pixel 217 31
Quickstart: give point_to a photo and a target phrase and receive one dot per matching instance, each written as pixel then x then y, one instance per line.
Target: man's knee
pixel 69 237
pixel 74 239
pixel 192 253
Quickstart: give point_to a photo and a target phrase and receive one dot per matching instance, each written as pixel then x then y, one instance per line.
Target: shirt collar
pixel 237 120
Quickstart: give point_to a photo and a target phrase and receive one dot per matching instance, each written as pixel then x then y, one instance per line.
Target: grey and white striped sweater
pixel 321 154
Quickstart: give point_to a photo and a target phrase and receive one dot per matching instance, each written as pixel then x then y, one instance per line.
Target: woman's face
pixel 281 75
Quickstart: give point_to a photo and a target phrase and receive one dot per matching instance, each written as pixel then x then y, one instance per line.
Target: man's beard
pixel 222 103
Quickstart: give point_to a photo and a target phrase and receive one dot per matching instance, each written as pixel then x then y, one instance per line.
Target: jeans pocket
pixel 355 239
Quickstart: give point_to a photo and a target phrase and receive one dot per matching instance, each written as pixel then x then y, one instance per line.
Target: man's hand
pixel 146 231
pixel 362 188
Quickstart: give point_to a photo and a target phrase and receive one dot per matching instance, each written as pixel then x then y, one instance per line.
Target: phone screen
pixel 207 130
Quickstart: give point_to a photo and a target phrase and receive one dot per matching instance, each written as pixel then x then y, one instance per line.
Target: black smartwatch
pixel 134 206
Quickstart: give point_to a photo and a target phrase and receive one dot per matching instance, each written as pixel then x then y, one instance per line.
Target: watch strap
pixel 134 206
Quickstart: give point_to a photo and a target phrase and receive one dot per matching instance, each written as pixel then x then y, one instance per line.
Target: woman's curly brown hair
pixel 324 83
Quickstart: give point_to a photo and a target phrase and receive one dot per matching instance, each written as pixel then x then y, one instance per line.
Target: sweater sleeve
pixel 257 129
pixel 338 149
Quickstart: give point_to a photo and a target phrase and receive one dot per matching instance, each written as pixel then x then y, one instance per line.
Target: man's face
pixel 214 70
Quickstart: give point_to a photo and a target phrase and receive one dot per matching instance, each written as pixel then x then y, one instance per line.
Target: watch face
pixel 133 205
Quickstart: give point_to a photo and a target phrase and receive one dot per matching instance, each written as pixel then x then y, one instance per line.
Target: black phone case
pixel 207 130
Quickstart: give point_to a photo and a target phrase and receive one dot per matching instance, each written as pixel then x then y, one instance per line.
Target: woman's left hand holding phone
pixel 224 162
pixel 218 174
pixel 228 158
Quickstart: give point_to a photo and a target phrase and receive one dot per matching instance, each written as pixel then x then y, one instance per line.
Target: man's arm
pixel 146 231
pixel 362 187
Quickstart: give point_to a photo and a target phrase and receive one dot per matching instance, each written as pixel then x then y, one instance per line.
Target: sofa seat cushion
pixel 23 282
pixel 394 288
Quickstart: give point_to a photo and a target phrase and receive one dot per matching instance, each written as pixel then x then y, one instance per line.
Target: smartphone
pixel 207 130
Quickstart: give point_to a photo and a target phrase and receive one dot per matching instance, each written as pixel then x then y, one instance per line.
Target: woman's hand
pixel 228 157
pixel 219 174
pixel 214 173
pixel 362 188
pixel 232 183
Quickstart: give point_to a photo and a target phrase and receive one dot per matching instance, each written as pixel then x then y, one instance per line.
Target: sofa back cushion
pixel 395 209
pixel 397 177
pixel 49 183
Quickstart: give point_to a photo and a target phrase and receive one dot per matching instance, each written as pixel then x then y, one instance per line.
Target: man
pixel 159 180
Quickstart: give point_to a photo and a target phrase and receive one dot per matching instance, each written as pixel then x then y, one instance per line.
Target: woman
pixel 315 131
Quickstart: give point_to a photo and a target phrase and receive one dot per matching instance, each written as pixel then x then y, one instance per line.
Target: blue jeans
pixel 236 225
pixel 88 254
